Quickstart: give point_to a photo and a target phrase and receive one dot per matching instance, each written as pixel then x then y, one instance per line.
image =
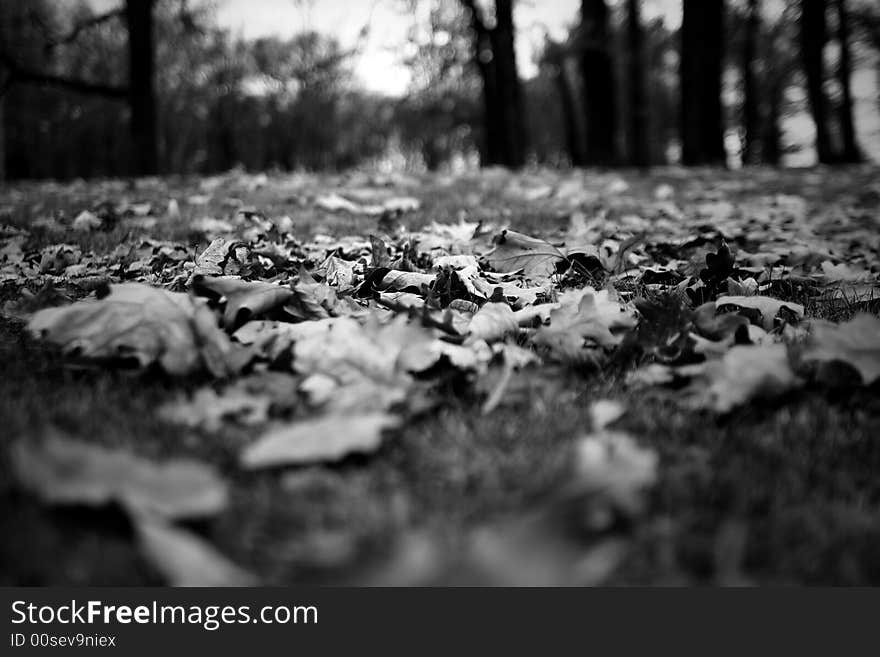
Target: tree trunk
pixel 751 114
pixel 598 80
pixel 503 110
pixel 142 94
pixel 573 135
pixel 510 113
pixel 492 128
pixel 702 54
pixel 851 151
pixel 771 137
pixel 638 108
pixel 813 36
pixel 2 141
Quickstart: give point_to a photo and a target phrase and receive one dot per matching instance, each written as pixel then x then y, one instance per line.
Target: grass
pixel 782 492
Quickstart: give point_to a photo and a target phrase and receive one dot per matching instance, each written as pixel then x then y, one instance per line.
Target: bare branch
pixel 19 74
pixel 89 23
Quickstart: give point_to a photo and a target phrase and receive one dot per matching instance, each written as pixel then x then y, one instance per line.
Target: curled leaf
pixel 244 299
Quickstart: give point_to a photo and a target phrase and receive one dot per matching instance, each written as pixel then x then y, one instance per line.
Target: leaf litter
pixel 366 331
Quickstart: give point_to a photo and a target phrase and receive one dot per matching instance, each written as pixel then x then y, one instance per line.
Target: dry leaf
pixel 492 322
pixel 321 439
pixel 582 324
pixel 514 251
pixel 185 559
pixel 767 306
pixel 244 299
pixel 745 372
pixel 207 409
pixel 143 323
pixel 614 471
pixel 65 471
pixel 856 342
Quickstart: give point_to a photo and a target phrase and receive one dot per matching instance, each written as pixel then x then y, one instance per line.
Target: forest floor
pixel 391 390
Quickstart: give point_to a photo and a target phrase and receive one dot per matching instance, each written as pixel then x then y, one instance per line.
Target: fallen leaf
pixel 537 258
pixel 207 409
pixel 143 323
pixel 185 559
pixel 244 299
pixel 856 342
pixel 321 439
pixel 492 322
pixel 743 373
pixel 211 261
pixel 605 411
pixel 614 472
pixel 86 221
pixel 767 306
pixel 65 471
pixel 581 325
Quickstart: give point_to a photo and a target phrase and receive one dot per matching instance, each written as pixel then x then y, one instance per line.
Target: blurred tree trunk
pixel 2 140
pixel 597 70
pixel 813 36
pixel 573 135
pixel 702 54
pixel 751 114
pixel 639 154
pixel 557 58
pixel 771 135
pixel 142 92
pixel 851 151
pixel 495 57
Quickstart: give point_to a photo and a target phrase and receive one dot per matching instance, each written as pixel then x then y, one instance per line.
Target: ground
pixel 781 489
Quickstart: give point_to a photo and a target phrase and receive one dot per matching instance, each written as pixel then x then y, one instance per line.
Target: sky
pixel 379 67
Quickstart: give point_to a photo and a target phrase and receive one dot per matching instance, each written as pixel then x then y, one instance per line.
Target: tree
pixel 702 55
pixel 597 71
pixel 813 37
pixel 141 85
pixel 751 117
pixel 639 154
pixel 140 90
pixel 555 60
pixel 851 151
pixel 494 54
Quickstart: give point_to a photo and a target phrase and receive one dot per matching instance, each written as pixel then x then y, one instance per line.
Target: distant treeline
pixel 155 86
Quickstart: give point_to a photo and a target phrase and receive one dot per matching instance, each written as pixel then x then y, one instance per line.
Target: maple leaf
pixel 355 368
pixel 147 324
pixel 856 342
pixel 582 322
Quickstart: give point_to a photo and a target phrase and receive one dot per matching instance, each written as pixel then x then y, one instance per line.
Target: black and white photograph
pixel 437 293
